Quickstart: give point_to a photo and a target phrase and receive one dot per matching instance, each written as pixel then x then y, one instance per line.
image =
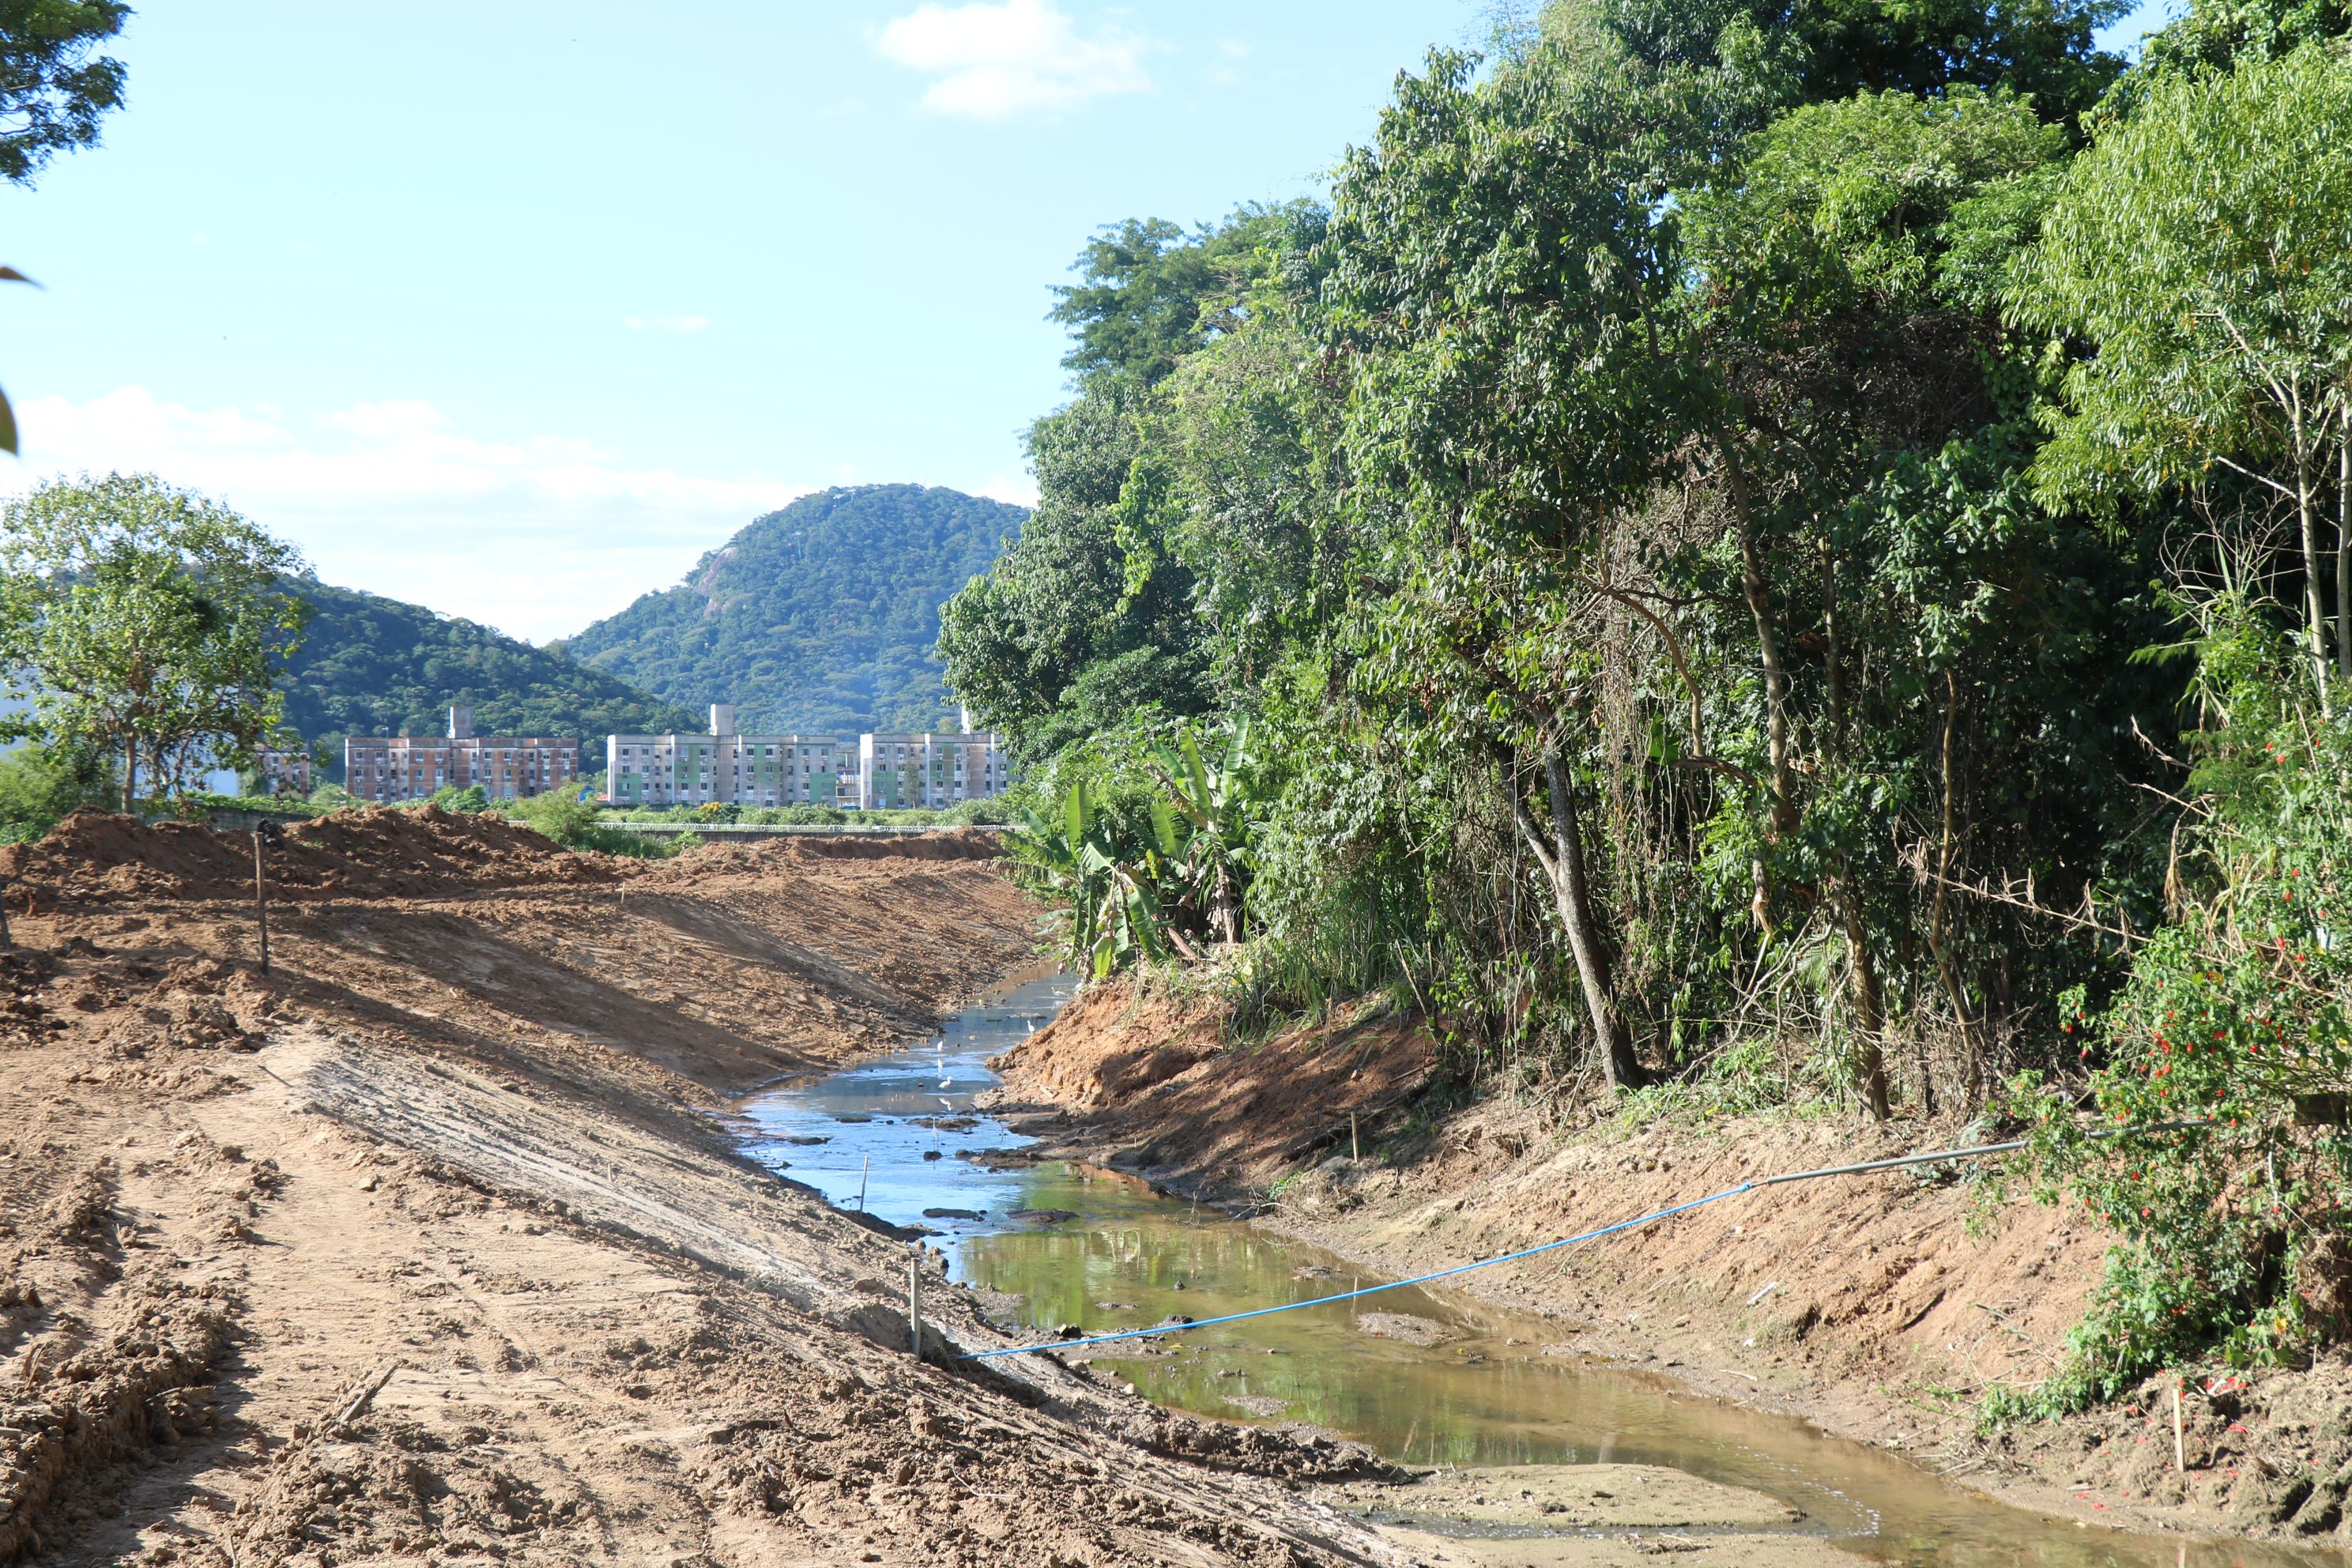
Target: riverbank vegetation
pixel 1801 551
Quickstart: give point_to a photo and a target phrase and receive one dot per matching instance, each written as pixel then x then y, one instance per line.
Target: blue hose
pixel 1369 1289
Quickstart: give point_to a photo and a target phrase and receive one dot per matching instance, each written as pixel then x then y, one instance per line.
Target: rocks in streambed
pixel 1545 1516
pixel 807 1143
pixel 1629 1551
pixel 1000 1159
pixel 955 1214
pixel 1571 1498
pixel 1403 1327
pixel 1042 1216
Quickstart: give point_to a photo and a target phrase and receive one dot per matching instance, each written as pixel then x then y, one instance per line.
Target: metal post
pixel 915 1303
pixel 863 1171
pixel 260 900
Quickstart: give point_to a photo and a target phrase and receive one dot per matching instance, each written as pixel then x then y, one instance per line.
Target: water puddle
pixel 1426 1378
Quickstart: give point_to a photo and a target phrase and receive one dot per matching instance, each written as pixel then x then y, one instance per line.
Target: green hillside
pixel 372 665
pixel 818 618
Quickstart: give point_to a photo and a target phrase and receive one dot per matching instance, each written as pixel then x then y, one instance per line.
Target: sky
pixel 516 310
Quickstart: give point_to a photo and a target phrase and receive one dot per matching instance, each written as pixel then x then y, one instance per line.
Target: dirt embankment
pixel 1882 1307
pixel 424 1249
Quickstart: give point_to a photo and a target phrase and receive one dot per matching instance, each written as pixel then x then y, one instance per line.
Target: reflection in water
pixel 1426 1378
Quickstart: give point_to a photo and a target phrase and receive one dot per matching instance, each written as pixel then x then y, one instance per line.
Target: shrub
pixel 2237 1017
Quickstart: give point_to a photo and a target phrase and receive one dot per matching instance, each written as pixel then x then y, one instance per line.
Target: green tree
pixel 53 91
pixel 2198 253
pixel 1520 383
pixel 39 784
pixel 54 88
pixel 145 621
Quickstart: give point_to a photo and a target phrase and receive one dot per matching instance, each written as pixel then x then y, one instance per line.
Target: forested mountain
pixel 817 618
pixel 1798 551
pixel 372 665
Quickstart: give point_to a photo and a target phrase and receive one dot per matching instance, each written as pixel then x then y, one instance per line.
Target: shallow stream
pixel 1479 1390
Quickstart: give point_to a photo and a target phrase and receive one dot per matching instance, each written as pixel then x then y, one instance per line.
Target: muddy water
pixel 1426 1378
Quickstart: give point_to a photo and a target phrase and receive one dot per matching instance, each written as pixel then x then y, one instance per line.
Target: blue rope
pixel 1369 1289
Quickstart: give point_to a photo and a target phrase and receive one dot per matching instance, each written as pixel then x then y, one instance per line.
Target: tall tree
pixel 1503 270
pixel 2197 253
pixel 146 621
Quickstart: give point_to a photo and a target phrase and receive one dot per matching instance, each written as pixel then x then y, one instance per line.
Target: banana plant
pixel 1205 826
pixel 1110 906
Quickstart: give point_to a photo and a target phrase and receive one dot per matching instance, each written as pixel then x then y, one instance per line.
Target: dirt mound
pixel 961 844
pixel 1112 1043
pixel 95 857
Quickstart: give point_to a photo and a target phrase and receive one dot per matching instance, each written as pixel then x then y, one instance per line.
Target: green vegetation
pixel 817 619
pixel 576 824
pixel 372 665
pixel 54 88
pixel 1756 551
pixel 145 624
pixel 40 785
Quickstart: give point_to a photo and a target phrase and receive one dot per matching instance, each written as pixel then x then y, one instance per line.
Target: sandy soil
pixel 1883 1308
pixel 426 1249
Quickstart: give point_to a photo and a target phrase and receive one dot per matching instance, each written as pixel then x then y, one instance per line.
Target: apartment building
pixel 876 772
pixel 389 768
pixel 728 768
pixel 284 772
pixel 898 773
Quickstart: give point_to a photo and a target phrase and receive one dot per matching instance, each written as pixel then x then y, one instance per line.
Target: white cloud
pixel 536 537
pixel 1020 490
pixel 681 324
pixel 1014 58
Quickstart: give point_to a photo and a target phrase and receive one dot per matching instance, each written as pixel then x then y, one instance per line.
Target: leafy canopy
pixel 54 87
pixel 2198 252
pixel 145 621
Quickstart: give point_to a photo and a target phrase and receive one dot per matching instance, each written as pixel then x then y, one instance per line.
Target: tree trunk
pixel 1869 1003
pixel 2344 543
pixel 2306 510
pixel 1564 866
pixel 1971 1059
pixel 130 771
pixel 1752 587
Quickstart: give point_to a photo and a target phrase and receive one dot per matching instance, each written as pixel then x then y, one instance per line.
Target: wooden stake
pixel 2179 1449
pixel 863 1171
pixel 260 900
pixel 1355 1148
pixel 915 1303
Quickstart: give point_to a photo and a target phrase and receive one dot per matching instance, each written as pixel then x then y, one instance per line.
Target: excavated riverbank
pixel 426 1248
pixel 1881 1308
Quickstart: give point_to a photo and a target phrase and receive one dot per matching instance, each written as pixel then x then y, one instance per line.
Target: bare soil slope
pixel 423 1249
pixel 1882 1307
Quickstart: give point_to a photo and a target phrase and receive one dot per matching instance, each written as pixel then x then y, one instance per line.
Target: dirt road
pixel 424 1249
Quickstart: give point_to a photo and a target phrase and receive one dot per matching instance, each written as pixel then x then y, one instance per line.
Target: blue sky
pixel 515 309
